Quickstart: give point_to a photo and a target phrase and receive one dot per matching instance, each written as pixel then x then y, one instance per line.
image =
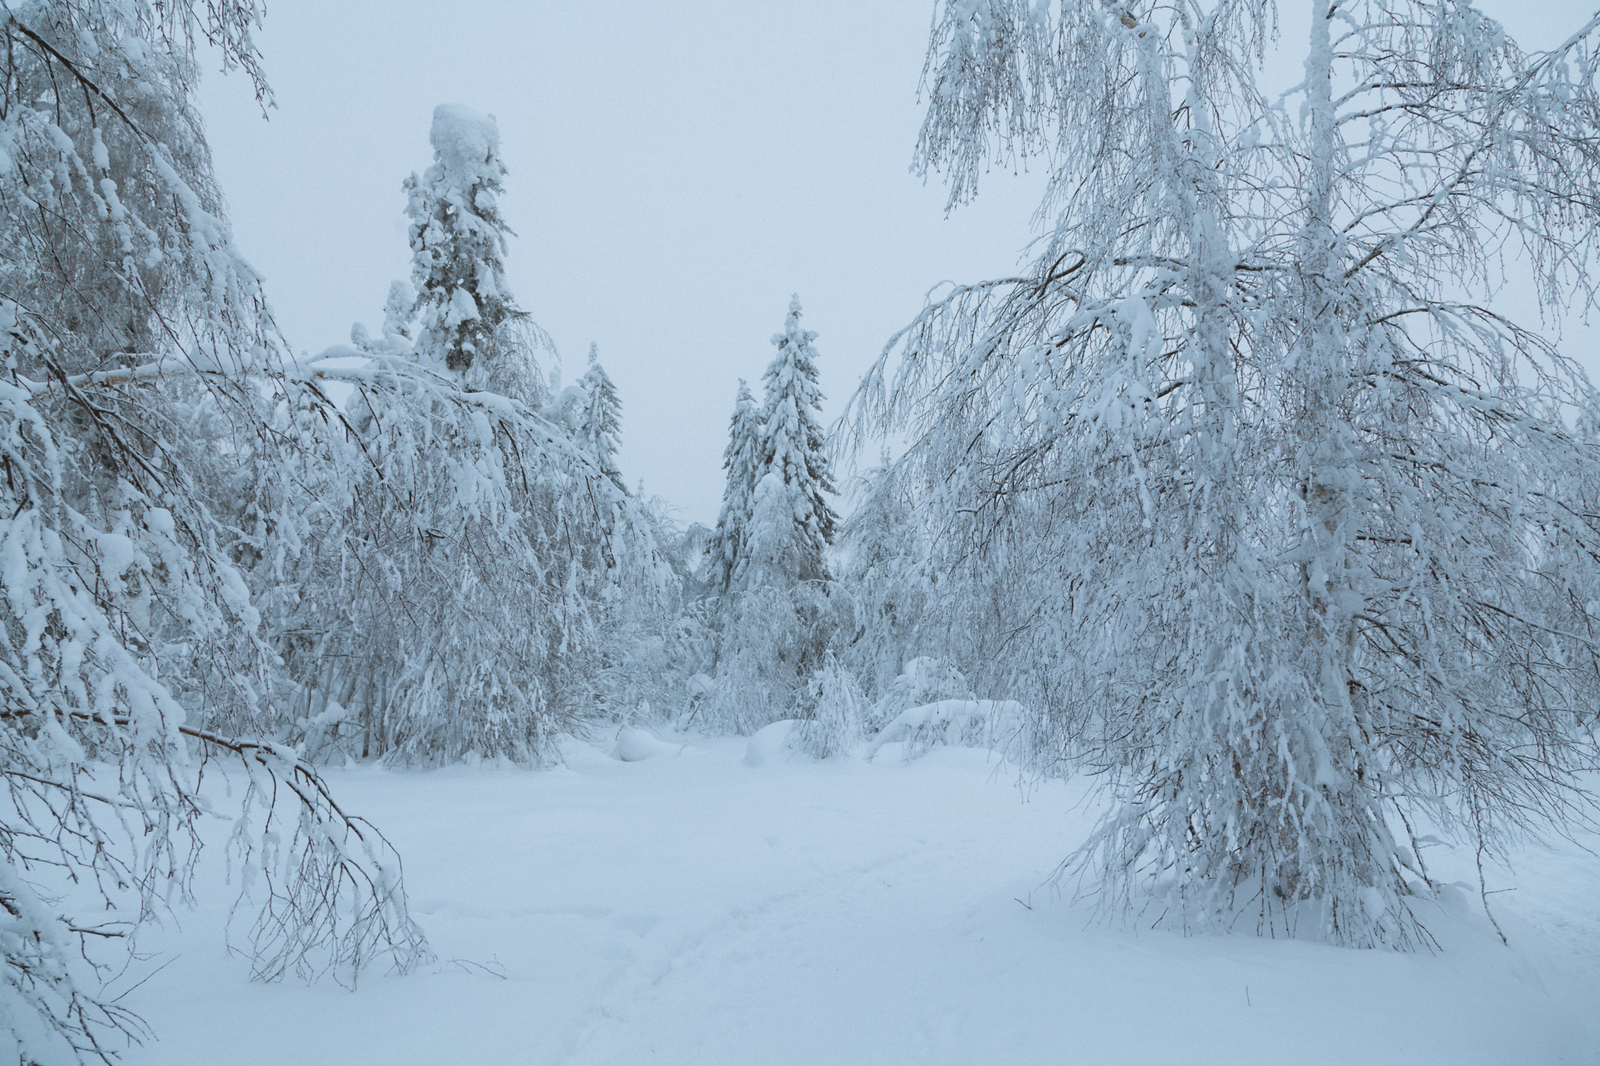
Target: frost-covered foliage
pixel 765 648
pixel 473 580
pixel 931 704
pixel 654 640
pixel 880 562
pixel 1249 487
pixel 135 345
pixel 448 523
pixel 689 552
pixel 458 240
pixel 399 314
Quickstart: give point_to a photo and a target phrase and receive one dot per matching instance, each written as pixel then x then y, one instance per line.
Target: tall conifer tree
pixel 600 422
pixel 793 521
pixel 741 461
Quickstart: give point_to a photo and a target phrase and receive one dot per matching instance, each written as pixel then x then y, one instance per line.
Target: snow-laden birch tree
pixel 129 321
pixel 1245 483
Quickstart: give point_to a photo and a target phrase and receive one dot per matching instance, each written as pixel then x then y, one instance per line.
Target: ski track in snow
pixel 687 909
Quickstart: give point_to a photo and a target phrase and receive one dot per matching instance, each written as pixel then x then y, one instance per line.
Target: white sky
pixel 677 170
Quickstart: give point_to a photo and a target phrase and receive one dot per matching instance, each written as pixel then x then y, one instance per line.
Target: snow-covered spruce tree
pixel 458 239
pixel 741 460
pixel 600 422
pixel 1264 481
pixel 127 322
pixel 399 314
pixel 775 613
pixel 791 520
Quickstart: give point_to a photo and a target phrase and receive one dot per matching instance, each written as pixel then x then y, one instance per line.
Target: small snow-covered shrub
pixel 994 724
pixel 834 725
pixel 923 680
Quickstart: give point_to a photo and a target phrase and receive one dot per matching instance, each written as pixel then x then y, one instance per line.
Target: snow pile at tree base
pixel 636 745
pixel 774 743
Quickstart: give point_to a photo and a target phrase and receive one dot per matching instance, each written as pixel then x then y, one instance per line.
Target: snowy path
pixel 689 909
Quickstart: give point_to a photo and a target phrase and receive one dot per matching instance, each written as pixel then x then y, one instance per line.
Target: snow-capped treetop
pixel 466 145
pixel 458 239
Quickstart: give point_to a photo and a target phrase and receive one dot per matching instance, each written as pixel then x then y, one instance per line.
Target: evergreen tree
pixel 458 240
pixel 399 313
pixel 792 521
pixel 741 461
pixel 775 610
pixel 600 421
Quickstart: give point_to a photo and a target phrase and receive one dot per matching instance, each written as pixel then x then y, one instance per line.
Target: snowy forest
pixel 1221 587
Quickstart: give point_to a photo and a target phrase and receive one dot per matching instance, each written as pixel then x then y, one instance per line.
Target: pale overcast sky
pixel 676 171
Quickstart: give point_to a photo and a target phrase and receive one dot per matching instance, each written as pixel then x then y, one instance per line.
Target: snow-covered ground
pixel 690 908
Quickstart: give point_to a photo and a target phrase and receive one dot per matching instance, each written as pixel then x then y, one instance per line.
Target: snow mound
pixel 465 142
pixel 923 680
pixel 637 745
pixel 964 723
pixel 583 757
pixel 775 743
